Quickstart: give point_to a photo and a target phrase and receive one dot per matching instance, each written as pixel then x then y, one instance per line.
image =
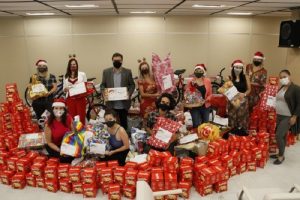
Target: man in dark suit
pixel 118 76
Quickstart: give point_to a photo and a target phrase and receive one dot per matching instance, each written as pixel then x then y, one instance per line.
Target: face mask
pixel 58 113
pixel 110 123
pixel 145 71
pixel 237 71
pixel 42 69
pixel 257 63
pixel 284 81
pixel 117 64
pixel 199 74
pixel 164 107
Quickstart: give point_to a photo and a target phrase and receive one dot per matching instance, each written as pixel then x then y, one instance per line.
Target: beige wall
pixel 215 41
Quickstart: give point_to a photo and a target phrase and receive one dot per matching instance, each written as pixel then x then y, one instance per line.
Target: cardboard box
pixel 65 185
pixel 11 163
pixel 201 159
pixel 233 171
pixel 6 176
pixel 129 191
pixel 170 181
pixel 131 177
pixel 40 181
pixel 23 165
pixel 171 164
pixel 236 157
pixel 106 176
pixel 89 190
pixel 53 161
pixel 131 166
pixel 186 188
pixel 251 166
pixel 214 162
pixel 37 168
pixel 114 192
pixel 186 173
pixel 144 176
pixel 208 176
pixel 241 168
pixel 51 171
pixel 157 182
pixel 39 159
pixel 170 197
pixel 51 185
pixel 88 176
pixel 18 181
pixel 197 170
pixel 77 187
pixel 75 174
pixel 119 175
pixel 30 180
pixel 186 161
pixel 203 189
pixel 227 161
pixel 63 170
pixel 144 166
pixel 113 164
pixel 221 186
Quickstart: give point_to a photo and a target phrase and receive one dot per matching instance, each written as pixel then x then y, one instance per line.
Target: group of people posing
pixel 250 81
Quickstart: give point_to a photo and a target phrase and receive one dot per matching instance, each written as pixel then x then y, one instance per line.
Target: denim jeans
pixel 199 115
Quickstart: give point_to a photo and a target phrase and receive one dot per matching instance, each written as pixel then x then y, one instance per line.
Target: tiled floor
pixel 282 176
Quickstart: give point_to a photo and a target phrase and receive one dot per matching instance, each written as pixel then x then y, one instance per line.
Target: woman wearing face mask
pixel 238 116
pixel 76 104
pixel 288 112
pixel 59 123
pixel 200 88
pixel 118 140
pixel 258 78
pixel 147 88
pixel 49 81
pixel 164 104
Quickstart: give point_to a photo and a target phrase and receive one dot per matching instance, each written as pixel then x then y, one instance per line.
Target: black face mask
pixel 42 69
pixel 257 63
pixel 117 64
pixel 110 123
pixel 199 74
pixel 145 71
pixel 164 107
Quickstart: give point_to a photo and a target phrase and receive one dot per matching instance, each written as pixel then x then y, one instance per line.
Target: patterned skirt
pixel 238 117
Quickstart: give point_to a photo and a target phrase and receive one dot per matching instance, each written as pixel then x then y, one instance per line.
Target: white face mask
pixel 58 113
pixel 237 71
pixel 284 81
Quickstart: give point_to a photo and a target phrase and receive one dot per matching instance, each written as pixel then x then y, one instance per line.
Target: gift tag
pixel 68 149
pixel 37 88
pixel 77 89
pixel 97 148
pixel 163 135
pixel 271 101
pixel 167 81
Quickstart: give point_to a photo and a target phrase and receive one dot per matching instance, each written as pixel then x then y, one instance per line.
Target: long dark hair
pixel 69 73
pixel 63 118
pixel 241 76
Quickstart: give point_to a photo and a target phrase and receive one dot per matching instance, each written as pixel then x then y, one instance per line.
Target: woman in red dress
pixel 147 88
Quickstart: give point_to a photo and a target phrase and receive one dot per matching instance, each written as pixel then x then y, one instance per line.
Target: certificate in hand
pixel 117 94
pixel 77 89
pixel 37 88
pixel 231 93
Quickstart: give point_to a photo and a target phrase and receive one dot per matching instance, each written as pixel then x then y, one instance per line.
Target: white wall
pixel 215 41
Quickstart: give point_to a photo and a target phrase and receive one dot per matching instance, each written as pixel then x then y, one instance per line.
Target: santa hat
pixel 59 103
pixel 200 66
pixel 237 63
pixel 43 62
pixel 259 55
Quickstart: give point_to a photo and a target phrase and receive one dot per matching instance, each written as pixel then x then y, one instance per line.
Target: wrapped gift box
pixel 32 140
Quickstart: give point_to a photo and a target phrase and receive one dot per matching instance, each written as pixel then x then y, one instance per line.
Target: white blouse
pixel 81 78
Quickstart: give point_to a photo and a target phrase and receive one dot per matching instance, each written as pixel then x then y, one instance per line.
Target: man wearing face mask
pixel 288 112
pixel 118 76
pixel 258 77
pixel 49 81
pixel 164 104
pixel 197 94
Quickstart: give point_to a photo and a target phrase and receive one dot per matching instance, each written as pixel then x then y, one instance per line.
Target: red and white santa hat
pixel 237 63
pixel 59 103
pixel 200 66
pixel 42 62
pixel 259 55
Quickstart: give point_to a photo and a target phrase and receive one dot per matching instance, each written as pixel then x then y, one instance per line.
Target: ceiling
pixel 161 7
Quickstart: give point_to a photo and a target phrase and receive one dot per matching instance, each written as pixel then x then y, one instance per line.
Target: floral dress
pixel 147 104
pixel 258 81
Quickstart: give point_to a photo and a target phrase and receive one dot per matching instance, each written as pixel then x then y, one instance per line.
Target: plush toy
pixel 208 131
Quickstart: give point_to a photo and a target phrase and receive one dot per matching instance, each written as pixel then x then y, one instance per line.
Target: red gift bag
pixel 166 124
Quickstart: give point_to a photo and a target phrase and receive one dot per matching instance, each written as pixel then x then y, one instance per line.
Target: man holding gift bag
pixel 119 78
pixel 42 96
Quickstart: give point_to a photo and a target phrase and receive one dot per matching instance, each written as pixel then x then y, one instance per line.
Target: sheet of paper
pixel 231 93
pixel 97 148
pixel 271 101
pixel 117 94
pixel 37 88
pixel 188 138
pixel 32 136
pixel 220 120
pixel 167 81
pixel 68 149
pixel 77 89
pixel 139 158
pixel 163 135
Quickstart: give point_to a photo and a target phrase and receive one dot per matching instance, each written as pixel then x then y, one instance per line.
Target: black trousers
pixel 120 157
pixel 122 113
pixel 41 104
pixel 55 154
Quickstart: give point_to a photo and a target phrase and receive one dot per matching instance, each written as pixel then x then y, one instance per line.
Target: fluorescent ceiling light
pixel 143 12
pixel 239 13
pixel 208 6
pixel 82 6
pixel 40 14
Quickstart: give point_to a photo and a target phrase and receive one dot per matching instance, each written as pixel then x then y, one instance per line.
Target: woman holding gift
pixel 59 123
pixel 197 94
pixel 288 112
pixel 258 77
pixel 147 88
pixel 76 104
pixel 118 140
pixel 238 114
